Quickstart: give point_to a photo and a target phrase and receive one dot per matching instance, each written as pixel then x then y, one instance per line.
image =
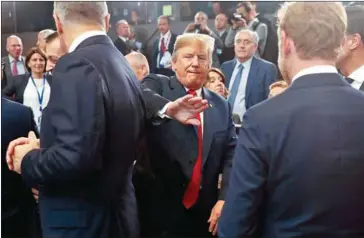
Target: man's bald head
pixel 14 46
pixel 139 64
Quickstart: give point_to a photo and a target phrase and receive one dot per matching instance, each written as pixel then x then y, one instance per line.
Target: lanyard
pixel 40 96
pixel 166 42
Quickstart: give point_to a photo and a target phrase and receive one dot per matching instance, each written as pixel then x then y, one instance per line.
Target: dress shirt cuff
pixel 161 113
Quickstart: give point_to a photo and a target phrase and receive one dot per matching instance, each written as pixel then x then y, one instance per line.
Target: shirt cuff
pixel 162 112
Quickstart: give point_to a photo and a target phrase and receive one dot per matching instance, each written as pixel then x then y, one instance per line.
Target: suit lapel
pixel 362 87
pixel 229 72
pixel 250 81
pixel 208 127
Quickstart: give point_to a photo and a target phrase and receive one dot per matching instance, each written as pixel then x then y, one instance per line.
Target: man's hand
pixel 35 194
pixel 215 215
pixel 18 148
pixel 190 27
pixel 185 109
pixel 204 27
pixel 277 88
pixel 239 23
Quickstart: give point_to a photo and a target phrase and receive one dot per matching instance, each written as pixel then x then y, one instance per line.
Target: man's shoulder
pixel 227 63
pixel 13 107
pixel 5 59
pixel 157 77
pixel 264 63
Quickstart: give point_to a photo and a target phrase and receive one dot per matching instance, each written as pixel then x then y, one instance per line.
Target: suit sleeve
pixel 32 125
pixel 270 77
pixel 228 158
pixel 78 119
pixel 9 89
pixel 247 183
pixel 151 89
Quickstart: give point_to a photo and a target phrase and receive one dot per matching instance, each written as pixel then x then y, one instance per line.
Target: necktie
pixel 191 194
pixel 349 80
pixel 15 68
pixel 163 46
pixel 235 87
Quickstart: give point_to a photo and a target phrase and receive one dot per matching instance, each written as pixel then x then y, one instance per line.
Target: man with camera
pixel 246 17
pixel 200 26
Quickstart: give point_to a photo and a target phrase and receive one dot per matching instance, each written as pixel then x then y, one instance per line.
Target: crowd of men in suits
pixel 128 148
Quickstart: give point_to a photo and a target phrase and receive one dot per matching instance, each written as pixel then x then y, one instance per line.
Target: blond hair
pixel 317 28
pixel 189 39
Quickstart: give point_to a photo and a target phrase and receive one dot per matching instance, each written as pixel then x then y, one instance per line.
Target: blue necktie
pixel 235 88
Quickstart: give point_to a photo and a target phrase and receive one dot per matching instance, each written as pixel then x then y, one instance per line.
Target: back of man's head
pixel 81 13
pixel 355 16
pixel 316 28
pixel 139 64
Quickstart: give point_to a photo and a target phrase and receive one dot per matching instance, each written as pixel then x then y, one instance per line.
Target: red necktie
pixel 193 188
pixel 15 69
pixel 163 46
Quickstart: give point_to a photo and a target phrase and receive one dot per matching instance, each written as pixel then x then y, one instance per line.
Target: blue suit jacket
pixel 17 202
pixel 90 131
pixel 299 164
pixel 261 75
pixel 161 183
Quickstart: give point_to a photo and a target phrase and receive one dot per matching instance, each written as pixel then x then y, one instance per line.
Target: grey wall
pixel 30 38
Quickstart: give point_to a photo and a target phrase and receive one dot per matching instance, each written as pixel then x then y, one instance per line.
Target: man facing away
pixel 90 133
pixel 300 154
pixel 139 63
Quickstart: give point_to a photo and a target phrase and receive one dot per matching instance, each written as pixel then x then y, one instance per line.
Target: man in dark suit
pixel 14 61
pixel 247 77
pixel 300 155
pixel 163 48
pixel 221 30
pixel 123 32
pixel 177 185
pixel 17 204
pixel 88 144
pixel 351 58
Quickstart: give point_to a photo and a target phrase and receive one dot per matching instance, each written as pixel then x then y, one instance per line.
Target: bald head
pixel 139 64
pixel 14 46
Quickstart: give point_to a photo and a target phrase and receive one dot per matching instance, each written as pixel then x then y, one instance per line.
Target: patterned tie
pixel 349 80
pixel 235 88
pixel 163 46
pixel 15 68
pixel 193 188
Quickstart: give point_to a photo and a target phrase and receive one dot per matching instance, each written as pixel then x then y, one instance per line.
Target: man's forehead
pixel 244 36
pixel 14 41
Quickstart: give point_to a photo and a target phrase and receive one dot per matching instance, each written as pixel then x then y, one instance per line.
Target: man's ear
pixel 107 22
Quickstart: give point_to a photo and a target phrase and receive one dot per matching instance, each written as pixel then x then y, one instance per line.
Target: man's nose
pixel 195 61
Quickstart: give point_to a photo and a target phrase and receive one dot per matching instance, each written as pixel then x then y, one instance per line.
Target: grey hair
pixel 121 22
pixel 13 36
pixel 46 32
pixel 78 13
pixel 137 59
pixel 204 14
pixel 252 33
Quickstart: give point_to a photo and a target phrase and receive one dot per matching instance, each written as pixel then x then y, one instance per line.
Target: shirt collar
pixel 245 64
pixel 198 91
pixel 11 59
pixel 319 69
pixel 125 39
pixel 358 74
pixel 79 39
pixel 165 35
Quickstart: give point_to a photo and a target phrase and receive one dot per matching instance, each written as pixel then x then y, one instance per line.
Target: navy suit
pixel 161 181
pixel 155 52
pixel 17 203
pixel 299 164
pixel 90 133
pixel 261 75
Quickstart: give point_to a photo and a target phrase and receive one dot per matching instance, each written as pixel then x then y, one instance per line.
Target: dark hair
pixel 247 6
pixel 31 52
pixel 355 15
pixel 51 37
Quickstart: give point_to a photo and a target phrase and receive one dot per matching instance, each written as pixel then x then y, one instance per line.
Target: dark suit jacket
pixel 17 84
pixel 154 63
pixel 261 75
pixel 172 155
pixel 227 52
pixel 17 202
pixel 297 164
pixel 122 46
pixel 90 132
pixel 8 67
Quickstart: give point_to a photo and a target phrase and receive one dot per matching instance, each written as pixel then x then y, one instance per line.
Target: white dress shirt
pixel 123 38
pixel 19 65
pixel 30 98
pixel 319 69
pixel 358 77
pixel 79 39
pixel 167 38
pixel 239 104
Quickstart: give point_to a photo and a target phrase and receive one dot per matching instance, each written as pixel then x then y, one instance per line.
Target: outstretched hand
pixel 184 109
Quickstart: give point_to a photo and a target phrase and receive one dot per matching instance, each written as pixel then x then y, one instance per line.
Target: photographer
pixel 246 17
pixel 200 26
